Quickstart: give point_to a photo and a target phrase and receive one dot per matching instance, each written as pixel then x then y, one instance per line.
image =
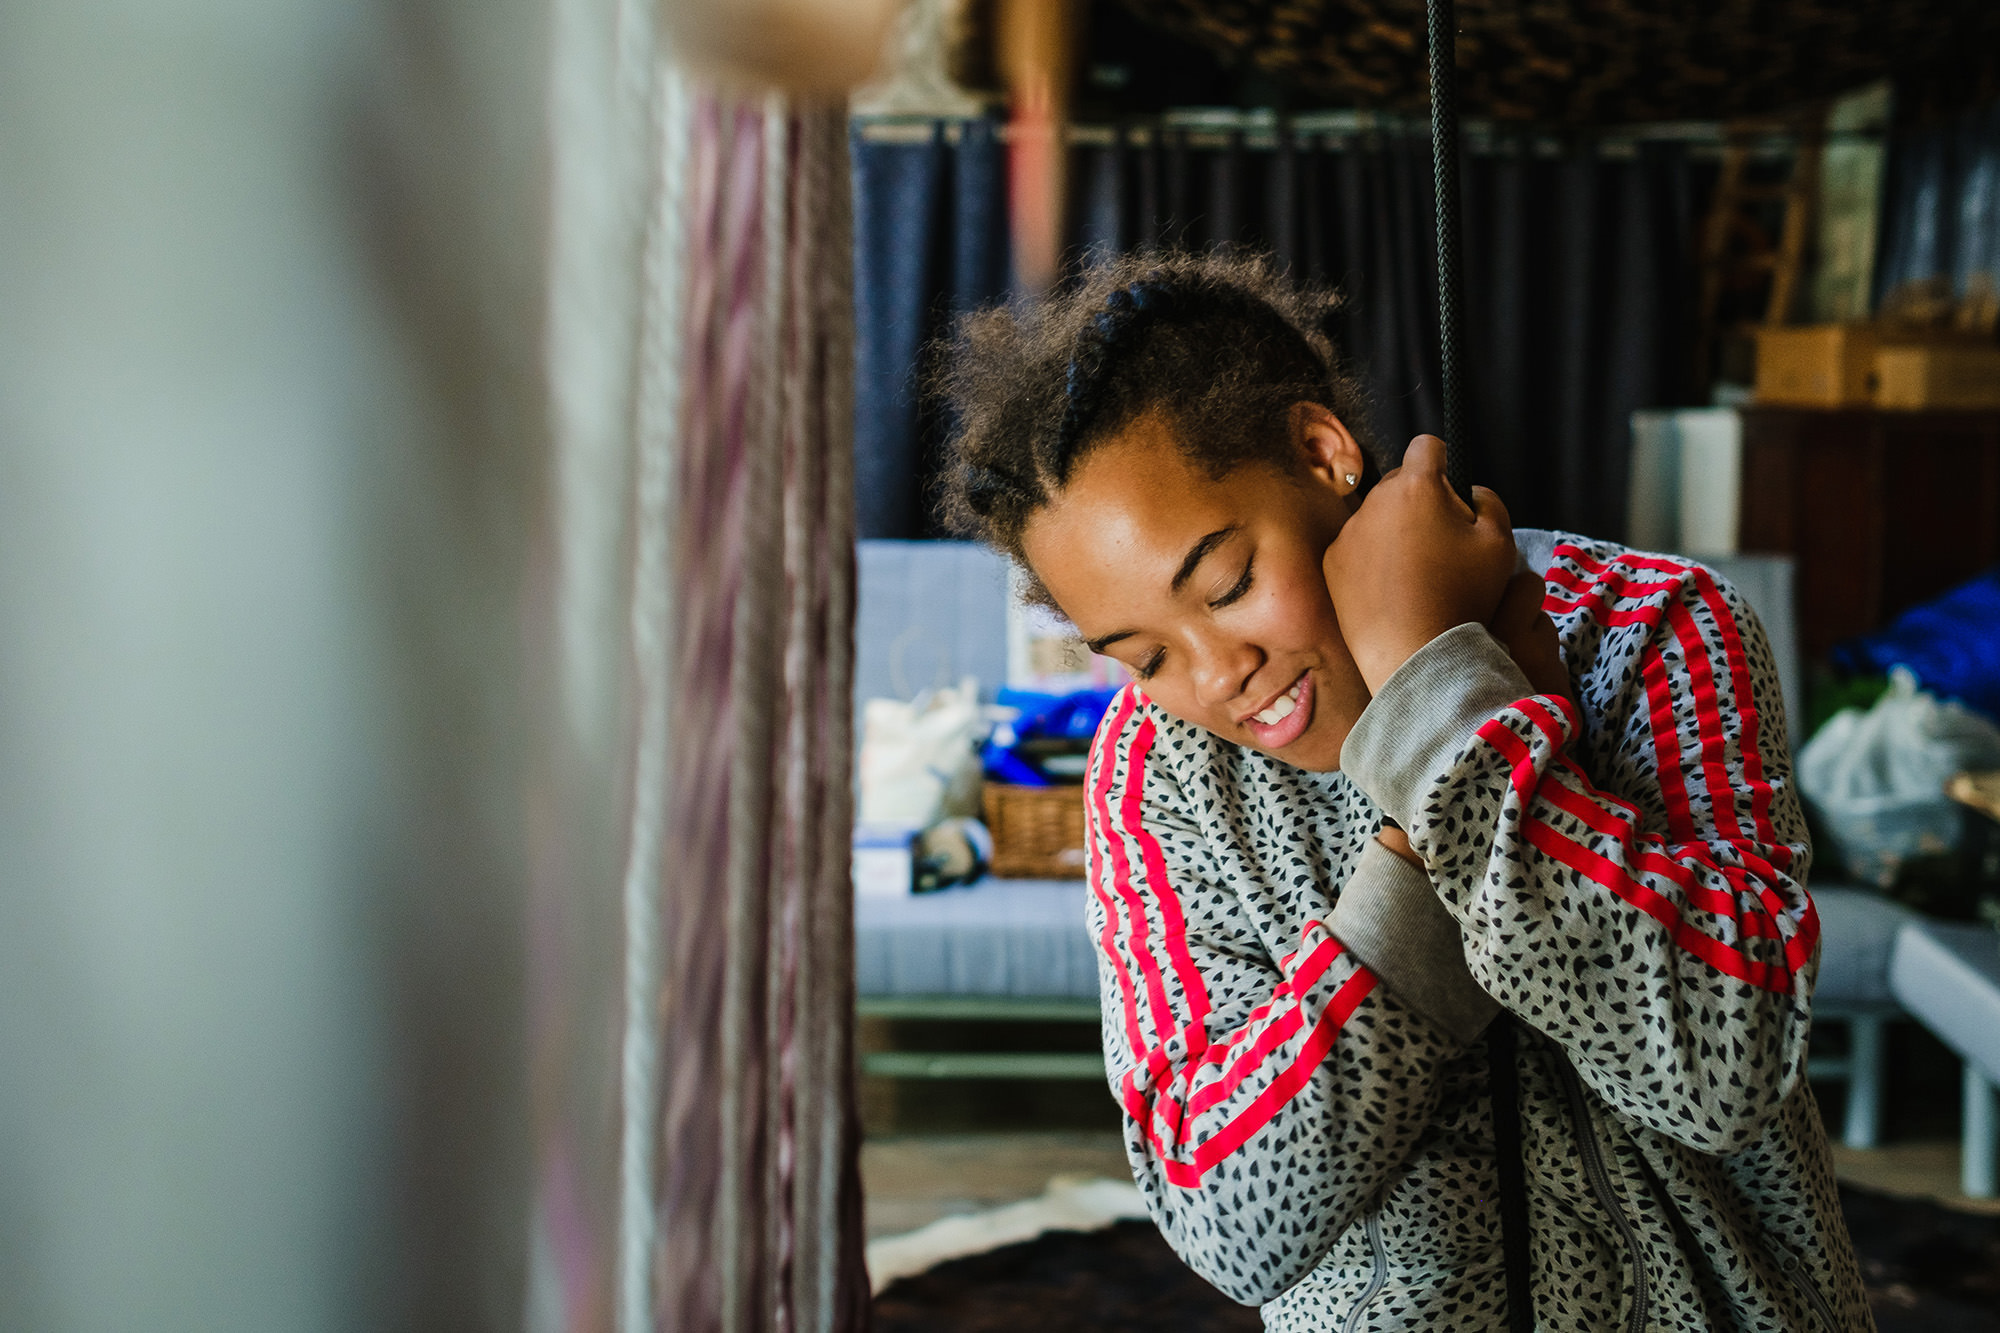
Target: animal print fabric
pixel 1626 868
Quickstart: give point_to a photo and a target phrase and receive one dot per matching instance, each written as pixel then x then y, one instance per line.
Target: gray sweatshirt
pixel 1293 1014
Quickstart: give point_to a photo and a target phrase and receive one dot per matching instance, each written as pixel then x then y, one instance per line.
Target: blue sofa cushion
pixel 1857 928
pixel 1000 938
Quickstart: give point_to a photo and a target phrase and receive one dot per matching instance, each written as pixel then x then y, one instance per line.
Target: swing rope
pixel 1444 173
pixel 1501 1038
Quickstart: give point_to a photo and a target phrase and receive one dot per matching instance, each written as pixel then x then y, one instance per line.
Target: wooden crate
pixel 1037 831
pixel 1816 365
pixel 1938 375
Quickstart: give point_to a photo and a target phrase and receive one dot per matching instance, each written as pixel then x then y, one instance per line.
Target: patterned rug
pixel 1928 1269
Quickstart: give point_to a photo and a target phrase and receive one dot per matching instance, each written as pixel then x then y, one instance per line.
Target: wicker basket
pixel 1037 831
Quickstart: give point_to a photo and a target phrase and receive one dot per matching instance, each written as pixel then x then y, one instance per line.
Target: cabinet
pixel 1880 510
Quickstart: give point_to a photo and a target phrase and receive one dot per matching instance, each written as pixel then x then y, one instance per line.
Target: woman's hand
pixel 1529 636
pixel 1398 842
pixel 1413 561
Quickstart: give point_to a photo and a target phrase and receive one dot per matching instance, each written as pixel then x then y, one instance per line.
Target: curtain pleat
pixel 701 587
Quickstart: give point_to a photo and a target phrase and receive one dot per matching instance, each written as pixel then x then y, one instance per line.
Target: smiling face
pixel 1210 590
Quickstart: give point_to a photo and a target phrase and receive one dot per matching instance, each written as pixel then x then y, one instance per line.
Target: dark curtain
pixel 930 241
pixel 1578 270
pixel 1941 203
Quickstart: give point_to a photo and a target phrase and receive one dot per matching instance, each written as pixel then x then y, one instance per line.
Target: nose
pixel 1223 666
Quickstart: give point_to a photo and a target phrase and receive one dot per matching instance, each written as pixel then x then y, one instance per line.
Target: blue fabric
pixel 998 938
pixel 1951 644
pixel 930 240
pixel 1941 211
pixel 1070 717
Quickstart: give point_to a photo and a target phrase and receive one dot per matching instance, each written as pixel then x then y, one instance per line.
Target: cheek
pixel 1295 612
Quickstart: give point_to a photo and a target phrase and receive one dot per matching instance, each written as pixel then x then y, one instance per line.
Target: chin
pixel 1312 759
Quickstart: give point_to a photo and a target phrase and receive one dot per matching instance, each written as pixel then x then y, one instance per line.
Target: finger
pixel 1540 656
pixel 1426 454
pixel 1486 505
pixel 1519 606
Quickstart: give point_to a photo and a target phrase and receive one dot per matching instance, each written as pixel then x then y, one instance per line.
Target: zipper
pixel 1600 1184
pixel 1790 1265
pixel 1376 1280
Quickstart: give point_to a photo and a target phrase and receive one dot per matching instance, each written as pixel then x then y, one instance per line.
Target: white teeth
pixel 1286 705
pixel 1279 711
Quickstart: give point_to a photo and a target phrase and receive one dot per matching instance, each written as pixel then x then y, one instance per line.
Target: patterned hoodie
pixel 1292 1014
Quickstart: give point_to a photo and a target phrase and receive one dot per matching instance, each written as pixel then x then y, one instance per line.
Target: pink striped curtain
pixel 692 995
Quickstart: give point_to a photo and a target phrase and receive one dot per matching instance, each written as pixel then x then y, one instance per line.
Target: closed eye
pixel 1236 592
pixel 1149 668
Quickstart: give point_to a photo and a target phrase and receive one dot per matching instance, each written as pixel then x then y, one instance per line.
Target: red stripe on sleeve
pixel 1101 815
pixel 1721 781
pixel 1258 1114
pixel 1162 1117
pixel 1139 929
pixel 1587 803
pixel 1666 744
pixel 1708 721
pixel 1709 741
pixel 1616 878
pixel 1174 922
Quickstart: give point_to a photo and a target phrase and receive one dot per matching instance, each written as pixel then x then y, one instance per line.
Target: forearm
pixel 1673 971
pixel 1300 1101
pixel 1302 1120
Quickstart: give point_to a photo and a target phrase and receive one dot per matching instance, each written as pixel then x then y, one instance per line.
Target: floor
pixel 915 1179
pixel 943 1150
pixel 912 1180
pixel 1911 1170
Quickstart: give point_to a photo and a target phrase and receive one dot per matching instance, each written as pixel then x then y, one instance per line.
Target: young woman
pixel 1363 798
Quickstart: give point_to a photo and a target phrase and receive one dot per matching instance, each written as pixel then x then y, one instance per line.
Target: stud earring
pixel 1351 479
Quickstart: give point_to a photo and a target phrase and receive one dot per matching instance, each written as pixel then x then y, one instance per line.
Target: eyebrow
pixel 1197 553
pixel 1200 552
pixel 1099 645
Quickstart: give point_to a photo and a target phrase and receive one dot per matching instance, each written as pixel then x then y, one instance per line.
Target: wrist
pixel 1380 659
pixel 1395 840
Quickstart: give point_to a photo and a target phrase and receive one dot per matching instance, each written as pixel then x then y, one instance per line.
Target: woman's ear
pixel 1327 449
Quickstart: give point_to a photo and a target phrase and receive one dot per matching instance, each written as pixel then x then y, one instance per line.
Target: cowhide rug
pixel 1928 1269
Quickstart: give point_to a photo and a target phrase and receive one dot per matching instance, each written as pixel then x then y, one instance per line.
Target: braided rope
pixel 1444 169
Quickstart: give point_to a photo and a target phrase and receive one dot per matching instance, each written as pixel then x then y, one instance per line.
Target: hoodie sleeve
pixel 1267 1099
pixel 1629 869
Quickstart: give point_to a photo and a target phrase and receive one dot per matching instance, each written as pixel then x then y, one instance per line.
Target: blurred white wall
pixel 266 356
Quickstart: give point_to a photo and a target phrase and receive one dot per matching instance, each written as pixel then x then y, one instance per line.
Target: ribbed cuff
pixel 1424 714
pixel 1390 918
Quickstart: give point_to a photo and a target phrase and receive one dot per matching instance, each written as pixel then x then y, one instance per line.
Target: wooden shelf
pixel 1881 510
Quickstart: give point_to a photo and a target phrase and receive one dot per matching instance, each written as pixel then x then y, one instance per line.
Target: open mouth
pixel 1285 718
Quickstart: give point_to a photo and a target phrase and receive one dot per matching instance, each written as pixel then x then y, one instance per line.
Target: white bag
pixel 920 760
pixel 1877 777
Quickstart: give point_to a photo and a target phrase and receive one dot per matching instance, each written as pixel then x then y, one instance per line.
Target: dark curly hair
pixel 1222 345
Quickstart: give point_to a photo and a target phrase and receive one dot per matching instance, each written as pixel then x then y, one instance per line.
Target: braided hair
pixel 1223 346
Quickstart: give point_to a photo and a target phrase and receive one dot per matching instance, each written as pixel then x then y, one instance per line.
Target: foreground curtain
pixel 1578 275
pixel 691 1001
